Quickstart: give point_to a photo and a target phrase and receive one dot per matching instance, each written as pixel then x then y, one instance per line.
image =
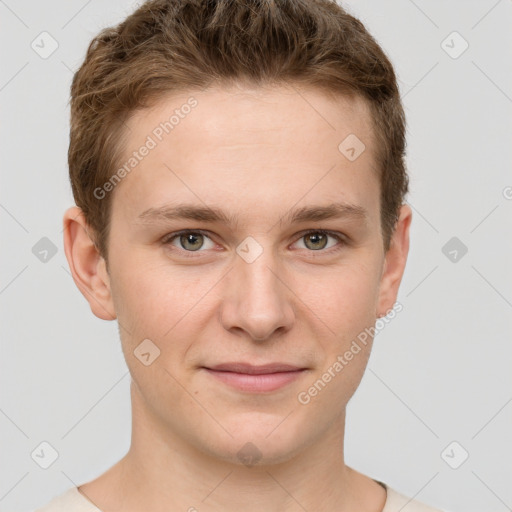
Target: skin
pixel 257 154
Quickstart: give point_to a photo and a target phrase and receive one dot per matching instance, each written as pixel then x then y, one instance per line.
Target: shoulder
pixel 69 501
pixel 396 501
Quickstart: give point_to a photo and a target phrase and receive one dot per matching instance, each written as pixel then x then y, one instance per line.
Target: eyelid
pixel 169 236
pixel 335 234
pixel 167 239
pixel 340 237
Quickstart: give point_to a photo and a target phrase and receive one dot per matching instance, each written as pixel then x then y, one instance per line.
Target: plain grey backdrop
pixel 433 415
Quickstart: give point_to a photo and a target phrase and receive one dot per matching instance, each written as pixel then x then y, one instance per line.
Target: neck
pixel 163 472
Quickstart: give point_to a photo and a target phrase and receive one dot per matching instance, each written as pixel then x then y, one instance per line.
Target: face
pixel 245 235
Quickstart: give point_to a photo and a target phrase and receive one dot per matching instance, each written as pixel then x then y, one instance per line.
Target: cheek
pixel 345 311
pixel 154 302
pixel 168 305
pixel 137 295
pixel 344 298
pixel 152 297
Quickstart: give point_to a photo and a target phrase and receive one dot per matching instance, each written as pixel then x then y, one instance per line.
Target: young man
pixel 239 178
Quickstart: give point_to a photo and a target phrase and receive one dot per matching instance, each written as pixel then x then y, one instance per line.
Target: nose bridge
pixel 260 303
pixel 260 281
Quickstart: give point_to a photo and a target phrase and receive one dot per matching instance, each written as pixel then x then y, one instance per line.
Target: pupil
pixel 316 238
pixel 193 239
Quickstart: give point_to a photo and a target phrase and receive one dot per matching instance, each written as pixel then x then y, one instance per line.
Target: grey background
pixel 440 371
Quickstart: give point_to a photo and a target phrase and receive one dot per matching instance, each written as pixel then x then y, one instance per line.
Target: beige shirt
pixel 73 501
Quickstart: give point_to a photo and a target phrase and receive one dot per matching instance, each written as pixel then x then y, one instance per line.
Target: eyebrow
pixel 213 214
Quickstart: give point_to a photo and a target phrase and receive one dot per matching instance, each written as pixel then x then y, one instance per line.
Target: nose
pixel 257 299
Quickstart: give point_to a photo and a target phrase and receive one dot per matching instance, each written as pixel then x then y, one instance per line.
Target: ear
pixel 87 266
pixel 394 263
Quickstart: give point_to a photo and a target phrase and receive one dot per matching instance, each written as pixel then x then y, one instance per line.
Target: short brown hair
pixel 180 45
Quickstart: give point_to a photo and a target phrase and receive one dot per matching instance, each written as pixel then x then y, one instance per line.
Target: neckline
pixel 85 498
pixel 96 509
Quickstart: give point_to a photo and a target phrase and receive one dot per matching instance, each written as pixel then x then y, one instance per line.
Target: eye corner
pixel 341 239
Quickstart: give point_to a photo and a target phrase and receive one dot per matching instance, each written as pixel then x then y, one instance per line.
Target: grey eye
pixel 315 241
pixel 318 240
pixel 191 241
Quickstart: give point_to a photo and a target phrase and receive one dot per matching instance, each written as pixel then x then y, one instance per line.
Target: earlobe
pixel 87 266
pixel 395 260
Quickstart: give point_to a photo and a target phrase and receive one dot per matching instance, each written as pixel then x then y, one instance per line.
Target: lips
pixel 250 369
pixel 255 379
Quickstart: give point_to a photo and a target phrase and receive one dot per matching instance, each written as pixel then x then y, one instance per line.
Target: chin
pixel 256 443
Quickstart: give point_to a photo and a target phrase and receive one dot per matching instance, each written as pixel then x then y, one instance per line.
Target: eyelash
pixel 340 238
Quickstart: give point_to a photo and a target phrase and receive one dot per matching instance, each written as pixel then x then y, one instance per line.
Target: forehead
pixel 254 115
pixel 250 148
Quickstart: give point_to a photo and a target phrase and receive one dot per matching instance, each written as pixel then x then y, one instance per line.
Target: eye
pixel 194 241
pixel 190 241
pixel 318 240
